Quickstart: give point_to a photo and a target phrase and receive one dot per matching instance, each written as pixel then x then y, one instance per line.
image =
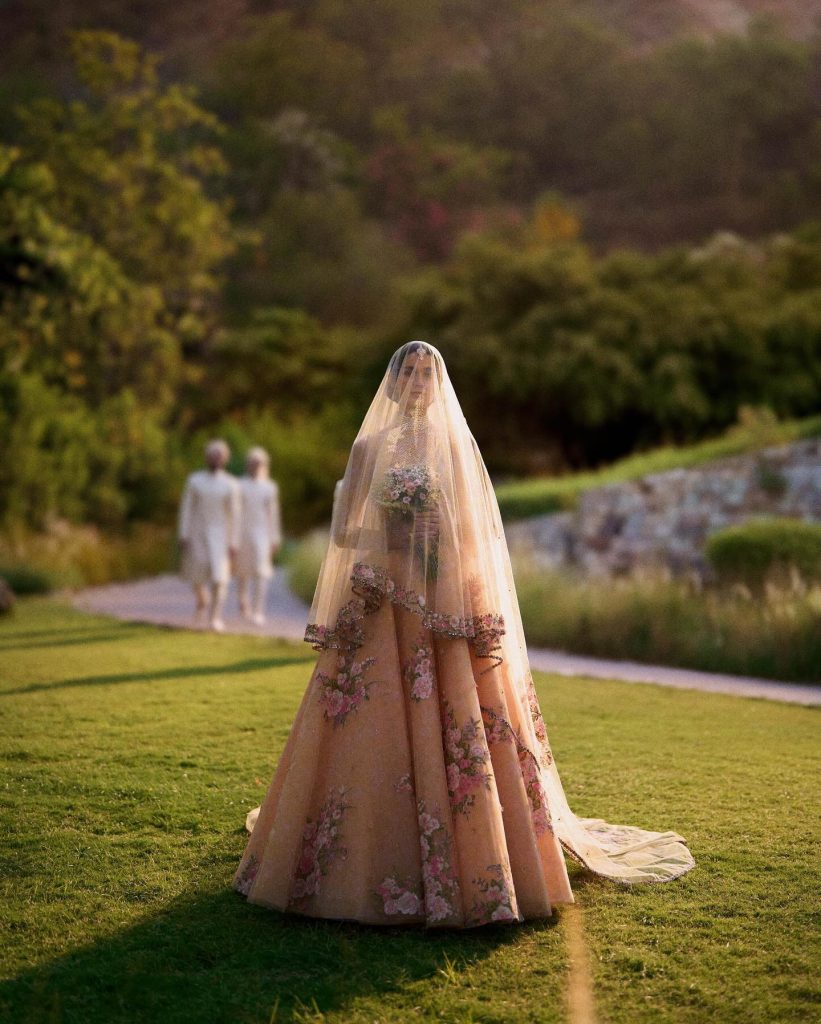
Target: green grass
pixel 519 499
pixel 131 755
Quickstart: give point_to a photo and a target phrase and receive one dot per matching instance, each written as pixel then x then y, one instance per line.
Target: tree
pixel 131 162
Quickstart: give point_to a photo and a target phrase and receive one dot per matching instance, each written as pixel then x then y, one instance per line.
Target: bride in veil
pixel 417 785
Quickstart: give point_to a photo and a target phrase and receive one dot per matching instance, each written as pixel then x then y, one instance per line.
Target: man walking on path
pixel 209 532
pixel 260 535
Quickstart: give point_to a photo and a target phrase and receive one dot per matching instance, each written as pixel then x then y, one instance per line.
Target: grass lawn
pixel 131 755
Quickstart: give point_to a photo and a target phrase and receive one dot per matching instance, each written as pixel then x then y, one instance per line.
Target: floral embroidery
pixel 403 784
pixel 419 673
pixel 343 693
pixel 372 584
pixel 539 812
pixel 439 884
pixel 398 899
pixel 245 879
pixel 347 633
pixel 438 878
pixel 409 489
pixel 321 846
pixel 495 902
pixel 499 730
pixel 535 711
pixel 466 758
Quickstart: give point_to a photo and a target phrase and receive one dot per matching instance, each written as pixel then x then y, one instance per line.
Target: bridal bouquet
pixel 405 491
pixel 409 489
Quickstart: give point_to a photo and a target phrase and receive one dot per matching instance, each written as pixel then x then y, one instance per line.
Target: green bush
pixel 26 579
pixel 754 551
pixel 304 563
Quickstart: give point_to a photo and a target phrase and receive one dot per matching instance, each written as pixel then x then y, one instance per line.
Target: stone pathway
pixel 167 601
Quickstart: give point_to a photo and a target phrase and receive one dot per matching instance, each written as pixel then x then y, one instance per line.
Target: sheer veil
pixel 416 523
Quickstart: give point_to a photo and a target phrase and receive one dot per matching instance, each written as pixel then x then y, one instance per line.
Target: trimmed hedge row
pixel 751 552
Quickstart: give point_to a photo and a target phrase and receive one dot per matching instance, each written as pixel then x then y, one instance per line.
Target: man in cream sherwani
pixel 260 534
pixel 209 532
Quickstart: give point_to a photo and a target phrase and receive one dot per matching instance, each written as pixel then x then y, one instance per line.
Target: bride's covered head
pixel 412 370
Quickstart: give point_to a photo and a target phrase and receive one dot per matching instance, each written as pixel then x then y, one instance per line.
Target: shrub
pixel 304 563
pixel 26 579
pixel 755 550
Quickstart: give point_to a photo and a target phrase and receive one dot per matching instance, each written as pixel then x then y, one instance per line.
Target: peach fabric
pixel 417 785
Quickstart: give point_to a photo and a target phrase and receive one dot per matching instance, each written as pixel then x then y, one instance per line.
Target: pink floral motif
pixel 345 692
pixel 403 784
pixel 439 884
pixel 499 730
pixel 535 711
pixel 539 811
pixel 438 878
pixel 245 879
pixel 372 584
pixel 466 760
pixel 398 898
pixel 495 902
pixel 419 673
pixel 321 846
pixel 347 632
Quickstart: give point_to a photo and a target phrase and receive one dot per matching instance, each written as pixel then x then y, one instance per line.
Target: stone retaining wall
pixel 661 521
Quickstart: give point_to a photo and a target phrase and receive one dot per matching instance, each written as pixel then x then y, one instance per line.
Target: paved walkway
pixel 167 601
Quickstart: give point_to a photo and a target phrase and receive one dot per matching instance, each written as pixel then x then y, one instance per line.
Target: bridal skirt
pixel 407 795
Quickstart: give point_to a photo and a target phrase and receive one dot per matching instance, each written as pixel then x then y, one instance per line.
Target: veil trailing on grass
pixel 416 525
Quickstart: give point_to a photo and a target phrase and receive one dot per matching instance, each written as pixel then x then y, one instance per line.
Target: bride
pixel 417 785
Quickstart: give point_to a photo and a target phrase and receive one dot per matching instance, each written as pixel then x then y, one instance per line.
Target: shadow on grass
pixel 217 959
pixel 68 641
pixel 34 634
pixel 156 675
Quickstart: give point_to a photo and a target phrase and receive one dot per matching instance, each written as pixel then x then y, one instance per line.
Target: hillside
pixel 189 30
pixel 654 21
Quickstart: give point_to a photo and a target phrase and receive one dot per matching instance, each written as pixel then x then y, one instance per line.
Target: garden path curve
pixel 166 601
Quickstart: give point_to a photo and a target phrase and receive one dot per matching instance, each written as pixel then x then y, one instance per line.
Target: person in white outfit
pixel 260 534
pixel 209 532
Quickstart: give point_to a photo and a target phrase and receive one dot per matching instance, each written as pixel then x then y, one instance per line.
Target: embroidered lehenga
pixel 417 785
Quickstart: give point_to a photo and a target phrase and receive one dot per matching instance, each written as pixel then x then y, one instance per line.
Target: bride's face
pixel 416 375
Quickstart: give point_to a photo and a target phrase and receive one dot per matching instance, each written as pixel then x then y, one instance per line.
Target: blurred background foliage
pixel 222 218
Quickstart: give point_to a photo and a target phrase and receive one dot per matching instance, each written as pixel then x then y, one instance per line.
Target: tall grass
pixel 774 632
pixel 75 556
